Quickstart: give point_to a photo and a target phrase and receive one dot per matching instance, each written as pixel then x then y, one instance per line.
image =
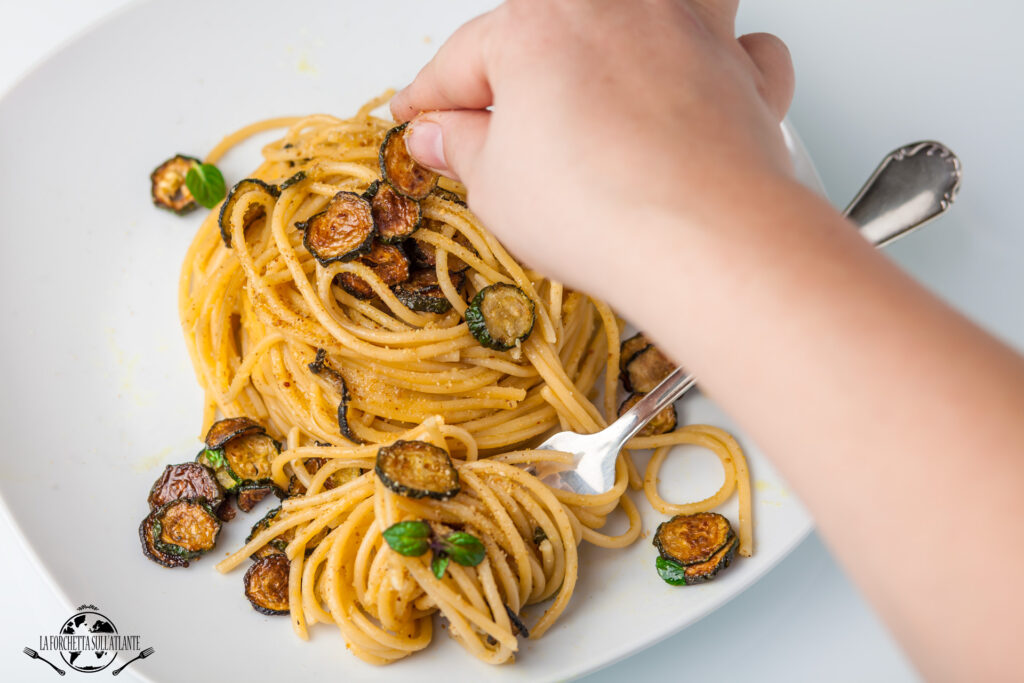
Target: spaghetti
pixel 259 314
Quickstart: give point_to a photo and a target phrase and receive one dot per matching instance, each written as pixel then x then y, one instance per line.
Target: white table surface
pixel 872 74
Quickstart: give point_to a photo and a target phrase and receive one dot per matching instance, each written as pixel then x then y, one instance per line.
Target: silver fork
pixel 913 185
pixel 35 655
pixel 142 655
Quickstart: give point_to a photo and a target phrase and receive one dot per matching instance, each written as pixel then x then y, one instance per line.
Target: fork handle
pixel 53 666
pixel 665 394
pixel 125 665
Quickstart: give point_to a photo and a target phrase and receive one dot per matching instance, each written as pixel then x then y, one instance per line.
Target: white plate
pixel 98 391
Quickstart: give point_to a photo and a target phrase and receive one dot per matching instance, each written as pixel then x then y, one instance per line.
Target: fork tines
pixel 30 652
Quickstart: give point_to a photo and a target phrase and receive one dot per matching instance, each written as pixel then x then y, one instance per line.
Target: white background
pixel 872 75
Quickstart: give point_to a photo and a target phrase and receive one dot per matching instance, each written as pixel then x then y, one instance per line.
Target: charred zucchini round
pixel 395 216
pixel 448 196
pixel 424 254
pixel 342 231
pixel 321 367
pixel 187 480
pixel 646 369
pixel 417 469
pixel 224 430
pixel 421 292
pixel 275 545
pixel 693 539
pixel 518 627
pixel 662 423
pixel 400 170
pixel 213 458
pixel 168 187
pixel 706 571
pixel 249 457
pixel 630 347
pixel 185 528
pixel 313 465
pixel 295 179
pixel 386 260
pixel 251 191
pixel 501 316
pixel 266 585
pixel 250 493
pixel 149 548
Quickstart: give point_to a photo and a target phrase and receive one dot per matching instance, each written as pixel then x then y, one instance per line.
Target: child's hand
pixel 606 115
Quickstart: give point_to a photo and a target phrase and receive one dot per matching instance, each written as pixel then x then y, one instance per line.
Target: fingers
pixel 456 78
pixel 449 142
pixel 771 56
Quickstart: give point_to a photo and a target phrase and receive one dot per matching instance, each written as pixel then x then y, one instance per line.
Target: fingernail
pixel 426 144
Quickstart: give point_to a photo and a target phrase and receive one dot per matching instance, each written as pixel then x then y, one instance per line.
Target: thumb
pixel 771 56
pixel 449 142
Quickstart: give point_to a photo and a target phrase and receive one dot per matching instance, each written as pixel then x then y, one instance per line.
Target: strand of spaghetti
pixel 625 538
pixel 746 531
pixel 241 134
pixel 245 369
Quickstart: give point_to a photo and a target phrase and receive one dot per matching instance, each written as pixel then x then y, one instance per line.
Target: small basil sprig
pixel 466 549
pixel 411 539
pixel 414 538
pixel 671 572
pixel 206 184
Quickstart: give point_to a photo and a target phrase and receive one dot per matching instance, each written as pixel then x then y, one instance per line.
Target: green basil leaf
pixel 439 564
pixel 671 572
pixel 408 538
pixel 206 184
pixel 539 536
pixel 466 549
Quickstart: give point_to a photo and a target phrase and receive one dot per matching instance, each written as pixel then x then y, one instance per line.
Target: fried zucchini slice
pixel 448 196
pixel 501 316
pixel 187 480
pixel 421 292
pixel 399 170
pixel 424 254
pixel 389 263
pixel 342 231
pixel 149 548
pixel 168 187
pixel 646 369
pixel 223 431
pixel 251 191
pixel 294 179
pixel 693 539
pixel 275 545
pixel 213 458
pixel 630 347
pixel 266 584
pixel 518 627
pixel 662 423
pixel 279 543
pixel 417 469
pixel 320 367
pixel 248 458
pixel 395 216
pixel 336 479
pixel 186 528
pixel 251 493
pixel 706 571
